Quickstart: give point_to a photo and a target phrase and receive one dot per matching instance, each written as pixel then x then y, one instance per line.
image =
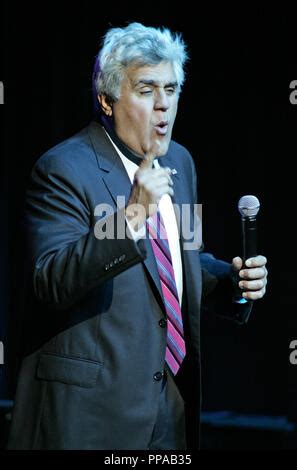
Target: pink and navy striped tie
pixel 175 348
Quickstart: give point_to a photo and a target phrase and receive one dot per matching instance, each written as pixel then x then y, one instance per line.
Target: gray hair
pixel 138 45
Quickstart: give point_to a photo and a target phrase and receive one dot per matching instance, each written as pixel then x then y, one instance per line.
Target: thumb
pixel 237 263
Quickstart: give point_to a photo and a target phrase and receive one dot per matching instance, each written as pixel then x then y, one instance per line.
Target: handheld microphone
pixel 248 207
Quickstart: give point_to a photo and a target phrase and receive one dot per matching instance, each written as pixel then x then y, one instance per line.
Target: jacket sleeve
pixel 66 257
pixel 219 289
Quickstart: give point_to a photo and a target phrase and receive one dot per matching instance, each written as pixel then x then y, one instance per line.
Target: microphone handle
pixel 249 248
pixel 249 237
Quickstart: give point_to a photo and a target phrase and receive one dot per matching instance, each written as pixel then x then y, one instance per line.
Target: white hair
pixel 138 45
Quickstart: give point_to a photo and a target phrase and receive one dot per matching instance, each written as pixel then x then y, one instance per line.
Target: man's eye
pixel 145 92
pixel 170 91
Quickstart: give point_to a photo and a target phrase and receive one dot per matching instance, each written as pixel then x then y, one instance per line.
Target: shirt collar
pixel 126 151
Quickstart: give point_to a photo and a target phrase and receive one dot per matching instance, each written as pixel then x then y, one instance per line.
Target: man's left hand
pixel 253 276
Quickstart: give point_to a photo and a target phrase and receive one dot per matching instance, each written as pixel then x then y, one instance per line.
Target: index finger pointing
pixel 147 161
pixel 150 155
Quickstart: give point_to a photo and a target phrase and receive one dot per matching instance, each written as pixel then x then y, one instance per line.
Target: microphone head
pixel 248 206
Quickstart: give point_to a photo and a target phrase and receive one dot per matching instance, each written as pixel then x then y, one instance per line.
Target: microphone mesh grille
pixel 248 205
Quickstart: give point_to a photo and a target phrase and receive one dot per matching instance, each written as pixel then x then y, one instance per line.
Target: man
pixel 112 347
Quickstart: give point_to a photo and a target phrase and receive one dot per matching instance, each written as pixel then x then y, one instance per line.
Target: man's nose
pixel 162 101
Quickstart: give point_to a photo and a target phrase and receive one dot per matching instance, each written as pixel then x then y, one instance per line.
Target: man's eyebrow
pixel 144 81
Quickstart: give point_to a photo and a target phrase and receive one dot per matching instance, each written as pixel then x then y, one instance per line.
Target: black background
pixel 236 119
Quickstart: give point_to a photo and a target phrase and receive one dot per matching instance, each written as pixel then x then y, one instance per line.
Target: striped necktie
pixel 175 348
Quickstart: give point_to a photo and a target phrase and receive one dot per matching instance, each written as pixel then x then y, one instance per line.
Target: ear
pixel 105 105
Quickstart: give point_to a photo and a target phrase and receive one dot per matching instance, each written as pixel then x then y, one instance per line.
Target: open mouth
pixel 162 128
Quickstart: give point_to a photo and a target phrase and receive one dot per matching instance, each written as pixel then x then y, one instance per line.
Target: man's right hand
pixel 149 185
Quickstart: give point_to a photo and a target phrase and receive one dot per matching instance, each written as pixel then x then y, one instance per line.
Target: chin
pixel 163 146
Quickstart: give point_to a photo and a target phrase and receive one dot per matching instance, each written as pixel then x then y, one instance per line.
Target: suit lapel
pixel 177 200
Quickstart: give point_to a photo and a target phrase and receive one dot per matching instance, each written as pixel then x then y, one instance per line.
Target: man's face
pixel 145 113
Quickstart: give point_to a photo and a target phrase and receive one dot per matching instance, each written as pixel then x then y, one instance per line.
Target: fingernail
pixel 248 263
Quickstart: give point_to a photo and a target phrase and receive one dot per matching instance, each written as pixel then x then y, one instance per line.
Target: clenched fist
pixel 149 185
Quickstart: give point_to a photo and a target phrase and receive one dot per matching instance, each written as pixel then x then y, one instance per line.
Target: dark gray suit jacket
pixel 93 341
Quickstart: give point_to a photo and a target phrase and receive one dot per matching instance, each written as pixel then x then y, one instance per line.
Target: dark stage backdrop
pixel 231 115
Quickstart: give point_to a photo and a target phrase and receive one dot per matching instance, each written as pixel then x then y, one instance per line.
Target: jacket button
pixel 106 267
pixel 158 376
pixel 162 322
